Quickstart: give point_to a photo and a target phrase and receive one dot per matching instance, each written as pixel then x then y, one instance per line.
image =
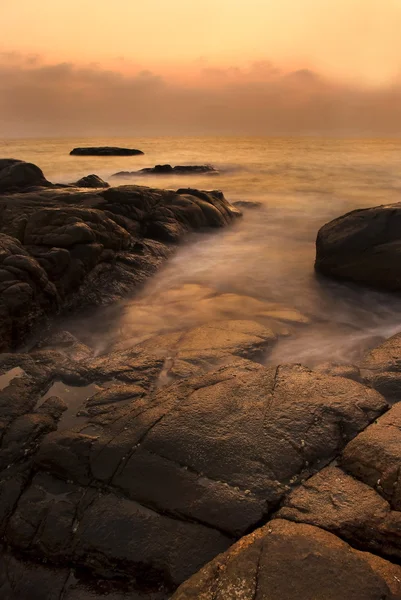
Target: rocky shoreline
pixel 183 462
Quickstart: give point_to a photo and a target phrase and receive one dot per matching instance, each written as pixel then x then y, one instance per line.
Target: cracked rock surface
pixel 291 560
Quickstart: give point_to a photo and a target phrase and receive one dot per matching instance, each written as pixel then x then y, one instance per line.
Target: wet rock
pixel 194 351
pixel 91 181
pixel 18 175
pixel 169 170
pixel 339 370
pixel 108 534
pixel 247 204
pixel 348 508
pixel 105 151
pixel 63 248
pixel 23 580
pixel 374 456
pixel 290 560
pixel 363 246
pixel 258 431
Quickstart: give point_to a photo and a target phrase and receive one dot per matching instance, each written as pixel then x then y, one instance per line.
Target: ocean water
pixel 262 267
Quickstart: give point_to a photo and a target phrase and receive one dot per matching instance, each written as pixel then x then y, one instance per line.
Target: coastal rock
pixel 91 181
pixel 169 170
pixel 243 411
pixel 17 175
pixel 363 246
pixel 293 561
pixel 335 501
pixel 62 247
pixel 374 456
pixel 105 151
pixel 381 368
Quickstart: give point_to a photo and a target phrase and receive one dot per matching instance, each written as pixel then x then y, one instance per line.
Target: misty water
pixel 262 267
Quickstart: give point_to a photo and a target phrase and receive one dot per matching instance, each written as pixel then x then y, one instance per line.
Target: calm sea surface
pixel 262 267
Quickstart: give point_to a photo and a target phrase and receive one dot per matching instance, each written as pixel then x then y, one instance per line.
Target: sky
pixel 150 67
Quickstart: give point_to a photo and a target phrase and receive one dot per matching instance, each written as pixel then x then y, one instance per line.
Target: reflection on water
pixel 262 267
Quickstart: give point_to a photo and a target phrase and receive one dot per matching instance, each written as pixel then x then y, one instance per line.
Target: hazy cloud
pixel 67 99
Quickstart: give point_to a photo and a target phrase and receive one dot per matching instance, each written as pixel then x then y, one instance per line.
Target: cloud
pixel 68 99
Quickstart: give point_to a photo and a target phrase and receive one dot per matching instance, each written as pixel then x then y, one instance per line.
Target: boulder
pixel 17 175
pixel 169 170
pixel 363 246
pixel 292 561
pixel 91 181
pixel 105 151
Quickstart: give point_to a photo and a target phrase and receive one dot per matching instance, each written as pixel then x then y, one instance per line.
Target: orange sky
pixel 193 47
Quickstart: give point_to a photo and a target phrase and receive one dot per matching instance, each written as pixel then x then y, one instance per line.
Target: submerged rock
pixel 169 170
pixel 363 246
pixel 105 151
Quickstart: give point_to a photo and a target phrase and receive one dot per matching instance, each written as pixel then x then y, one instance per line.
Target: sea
pixel 262 267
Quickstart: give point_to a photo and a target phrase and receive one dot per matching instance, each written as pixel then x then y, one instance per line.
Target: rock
pixel 289 561
pixel 109 535
pixel 339 370
pixel 247 204
pixel 63 248
pixel 17 175
pixel 23 580
pixel 279 425
pixel 105 151
pixel 381 368
pixel 363 246
pixel 374 456
pixel 345 506
pixel 169 170
pixel 200 349
pixel 91 181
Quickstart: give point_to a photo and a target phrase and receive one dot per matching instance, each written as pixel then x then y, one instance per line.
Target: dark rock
pixel 169 170
pixel 63 248
pixel 363 246
pixel 247 204
pixel 17 175
pixel 293 561
pixel 27 580
pixel 348 508
pixel 91 181
pixel 278 425
pixel 105 151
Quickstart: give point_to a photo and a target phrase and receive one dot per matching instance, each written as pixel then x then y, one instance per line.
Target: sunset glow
pixel 200 47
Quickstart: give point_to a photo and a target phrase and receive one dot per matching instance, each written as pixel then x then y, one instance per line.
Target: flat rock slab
pixel 291 561
pixel 169 170
pixel 363 246
pixel 337 502
pixel 105 151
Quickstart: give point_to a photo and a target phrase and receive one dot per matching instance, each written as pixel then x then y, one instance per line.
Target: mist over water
pixel 262 267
